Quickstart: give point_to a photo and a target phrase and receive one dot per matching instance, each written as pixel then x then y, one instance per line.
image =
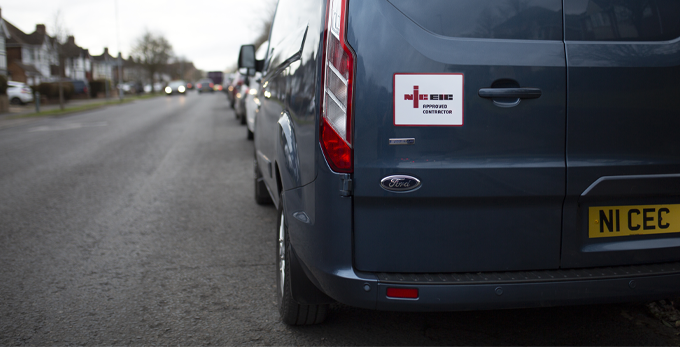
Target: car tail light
pixel 338 75
pixel 211 85
pixel 198 86
pixel 85 90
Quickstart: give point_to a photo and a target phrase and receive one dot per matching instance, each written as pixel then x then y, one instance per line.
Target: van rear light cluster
pixel 336 109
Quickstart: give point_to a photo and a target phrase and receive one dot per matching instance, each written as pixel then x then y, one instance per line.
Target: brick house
pixel 29 56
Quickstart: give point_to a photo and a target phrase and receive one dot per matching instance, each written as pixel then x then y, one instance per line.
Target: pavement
pixel 135 224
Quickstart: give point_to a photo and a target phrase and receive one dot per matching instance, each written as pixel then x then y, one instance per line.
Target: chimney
pixel 40 29
pixel 71 40
pixel 106 50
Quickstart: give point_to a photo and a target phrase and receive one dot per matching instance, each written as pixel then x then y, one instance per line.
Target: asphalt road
pixel 135 224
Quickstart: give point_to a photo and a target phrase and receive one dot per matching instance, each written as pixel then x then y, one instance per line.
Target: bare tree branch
pixel 152 52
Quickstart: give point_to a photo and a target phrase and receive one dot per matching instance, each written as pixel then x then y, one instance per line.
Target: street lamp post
pixel 120 58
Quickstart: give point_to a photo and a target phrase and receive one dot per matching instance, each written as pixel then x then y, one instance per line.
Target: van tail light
pixel 335 131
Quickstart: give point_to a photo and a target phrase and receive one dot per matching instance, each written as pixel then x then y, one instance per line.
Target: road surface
pixel 135 224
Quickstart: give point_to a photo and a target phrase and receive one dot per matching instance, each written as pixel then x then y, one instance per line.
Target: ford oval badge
pixel 400 183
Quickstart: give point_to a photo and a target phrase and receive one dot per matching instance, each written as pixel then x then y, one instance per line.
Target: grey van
pixel 439 155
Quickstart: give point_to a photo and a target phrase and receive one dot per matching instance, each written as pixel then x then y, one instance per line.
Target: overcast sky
pixel 209 33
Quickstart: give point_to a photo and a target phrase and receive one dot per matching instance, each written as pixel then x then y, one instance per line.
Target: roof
pixel 71 49
pixel 104 56
pixel 4 29
pixel 18 37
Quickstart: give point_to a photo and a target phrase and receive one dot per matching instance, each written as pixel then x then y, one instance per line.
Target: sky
pixel 209 33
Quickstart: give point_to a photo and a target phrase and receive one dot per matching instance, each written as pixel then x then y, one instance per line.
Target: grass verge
pixel 85 107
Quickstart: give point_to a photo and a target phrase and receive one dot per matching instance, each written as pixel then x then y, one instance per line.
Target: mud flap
pixel 304 291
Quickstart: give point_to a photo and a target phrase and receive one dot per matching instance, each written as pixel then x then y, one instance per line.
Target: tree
pixel 60 36
pixel 152 52
pixel 267 10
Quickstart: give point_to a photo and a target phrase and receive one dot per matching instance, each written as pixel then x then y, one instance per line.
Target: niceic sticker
pixel 428 99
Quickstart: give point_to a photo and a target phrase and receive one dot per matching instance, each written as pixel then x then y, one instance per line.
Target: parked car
pixel 425 158
pixel 240 102
pixel 80 87
pixel 19 93
pixel 234 88
pixel 176 87
pixel 205 85
pixel 252 102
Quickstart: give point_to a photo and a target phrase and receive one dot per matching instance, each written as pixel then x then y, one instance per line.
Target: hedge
pixel 3 85
pixel 99 86
pixel 51 90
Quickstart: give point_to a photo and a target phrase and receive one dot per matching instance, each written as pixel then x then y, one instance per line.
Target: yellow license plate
pixel 610 221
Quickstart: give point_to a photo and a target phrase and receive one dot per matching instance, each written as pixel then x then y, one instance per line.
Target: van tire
pixel 291 312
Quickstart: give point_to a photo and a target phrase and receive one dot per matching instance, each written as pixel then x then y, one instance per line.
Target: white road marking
pixel 68 126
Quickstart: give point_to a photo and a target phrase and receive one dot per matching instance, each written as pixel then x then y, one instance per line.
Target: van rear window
pixel 494 19
pixel 622 20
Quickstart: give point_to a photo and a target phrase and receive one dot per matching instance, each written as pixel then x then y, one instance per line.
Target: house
pixel 30 56
pixel 103 66
pixel 4 35
pixel 77 61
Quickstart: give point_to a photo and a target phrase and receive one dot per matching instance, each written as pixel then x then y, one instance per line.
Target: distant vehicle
pixel 205 85
pixel 131 87
pixel 80 87
pixel 216 76
pixel 19 93
pixel 157 87
pixel 190 86
pixel 176 87
pixel 218 87
pixel 137 87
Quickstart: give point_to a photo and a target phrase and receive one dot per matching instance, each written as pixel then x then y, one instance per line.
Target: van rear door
pixel 492 170
pixel 623 148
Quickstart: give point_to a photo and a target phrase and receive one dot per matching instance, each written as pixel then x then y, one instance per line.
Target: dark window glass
pixel 499 19
pixel 622 20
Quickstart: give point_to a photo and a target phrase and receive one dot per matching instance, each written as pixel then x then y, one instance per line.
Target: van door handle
pixel 522 93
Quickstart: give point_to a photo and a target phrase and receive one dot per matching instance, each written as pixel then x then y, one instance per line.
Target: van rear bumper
pixel 351 288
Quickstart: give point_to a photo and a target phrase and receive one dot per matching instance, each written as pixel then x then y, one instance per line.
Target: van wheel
pixel 250 134
pixel 16 101
pixel 290 311
pixel 261 193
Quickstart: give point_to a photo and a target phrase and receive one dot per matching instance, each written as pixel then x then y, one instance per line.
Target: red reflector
pixel 403 293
